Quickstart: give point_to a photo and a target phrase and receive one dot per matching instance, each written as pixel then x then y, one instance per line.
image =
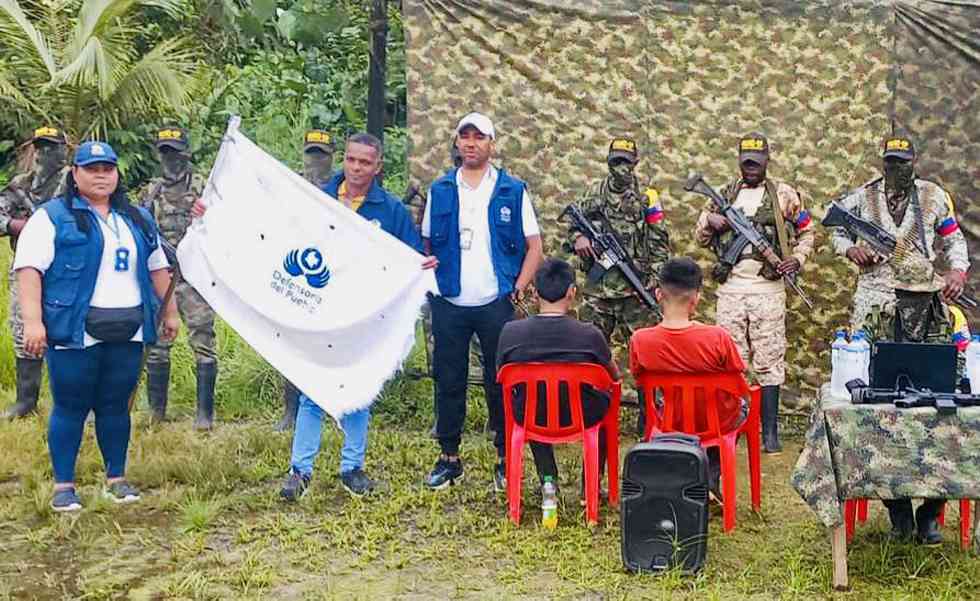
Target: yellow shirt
pixel 354 203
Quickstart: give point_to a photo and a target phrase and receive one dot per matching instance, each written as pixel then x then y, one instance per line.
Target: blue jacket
pixel 68 284
pixel 507 244
pixel 384 208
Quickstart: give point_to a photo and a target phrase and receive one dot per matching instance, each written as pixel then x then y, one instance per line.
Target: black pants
pixel 452 329
pixel 594 408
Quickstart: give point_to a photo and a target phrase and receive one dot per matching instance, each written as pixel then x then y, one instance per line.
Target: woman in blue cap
pixel 91 274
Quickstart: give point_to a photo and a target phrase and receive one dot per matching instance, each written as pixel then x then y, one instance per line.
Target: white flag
pixel 325 296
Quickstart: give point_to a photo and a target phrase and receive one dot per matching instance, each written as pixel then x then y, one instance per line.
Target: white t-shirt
pixel 745 278
pixel 478 282
pixel 113 289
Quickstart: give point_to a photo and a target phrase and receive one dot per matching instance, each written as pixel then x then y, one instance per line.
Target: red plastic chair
pixel 574 374
pixel 857 510
pixel 681 414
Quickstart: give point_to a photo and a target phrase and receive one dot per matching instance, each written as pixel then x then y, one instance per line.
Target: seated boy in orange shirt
pixel 681 345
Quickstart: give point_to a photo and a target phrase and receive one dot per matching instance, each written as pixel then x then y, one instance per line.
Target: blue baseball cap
pixel 95 152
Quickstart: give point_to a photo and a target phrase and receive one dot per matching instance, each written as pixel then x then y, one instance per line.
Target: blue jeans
pixel 306 437
pixel 100 379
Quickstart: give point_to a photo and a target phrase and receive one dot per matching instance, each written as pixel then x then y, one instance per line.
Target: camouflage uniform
pixel 753 309
pixel 169 199
pixel 909 269
pixel 18 200
pixel 637 219
pixel 170 203
pixel 752 295
pixel 900 299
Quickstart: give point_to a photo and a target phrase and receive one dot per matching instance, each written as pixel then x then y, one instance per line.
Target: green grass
pixel 211 525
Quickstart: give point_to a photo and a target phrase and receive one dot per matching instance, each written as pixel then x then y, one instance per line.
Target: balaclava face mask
pixel 175 165
pixel 50 160
pixel 621 175
pixel 317 166
pixel 899 176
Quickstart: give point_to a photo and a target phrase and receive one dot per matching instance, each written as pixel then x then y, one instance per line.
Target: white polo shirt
pixel 113 289
pixel 477 280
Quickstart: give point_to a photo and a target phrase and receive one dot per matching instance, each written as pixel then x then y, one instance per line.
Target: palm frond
pixel 159 82
pixel 96 17
pixel 23 34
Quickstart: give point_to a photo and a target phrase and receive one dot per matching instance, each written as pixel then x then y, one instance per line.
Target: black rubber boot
pixel 290 403
pixel 207 375
pixel 903 521
pixel 28 388
pixel 770 420
pixel 157 387
pixel 927 522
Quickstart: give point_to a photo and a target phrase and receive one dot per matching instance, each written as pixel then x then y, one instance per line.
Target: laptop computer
pixel 904 365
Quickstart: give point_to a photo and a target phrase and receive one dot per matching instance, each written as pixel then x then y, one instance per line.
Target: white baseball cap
pixel 480 122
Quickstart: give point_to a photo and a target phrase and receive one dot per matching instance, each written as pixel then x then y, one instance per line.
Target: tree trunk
pixel 376 75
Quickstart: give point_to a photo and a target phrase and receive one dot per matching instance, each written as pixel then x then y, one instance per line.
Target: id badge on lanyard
pixel 466 238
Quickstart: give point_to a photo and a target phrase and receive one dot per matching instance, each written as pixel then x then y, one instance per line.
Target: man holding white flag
pixel 337 317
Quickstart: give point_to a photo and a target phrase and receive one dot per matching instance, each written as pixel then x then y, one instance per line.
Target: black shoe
pixel 295 486
pixel 157 384
pixel 28 388
pixel 356 482
pixel 290 406
pixel 902 519
pixel 500 477
pixel 444 474
pixel 770 420
pixel 927 525
pixel 207 375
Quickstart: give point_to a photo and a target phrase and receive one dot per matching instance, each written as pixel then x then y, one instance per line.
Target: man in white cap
pixel 480 224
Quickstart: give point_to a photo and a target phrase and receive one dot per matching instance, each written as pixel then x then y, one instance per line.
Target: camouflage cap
pixel 50 134
pixel 753 146
pixel 317 138
pixel 624 148
pixel 898 146
pixel 172 137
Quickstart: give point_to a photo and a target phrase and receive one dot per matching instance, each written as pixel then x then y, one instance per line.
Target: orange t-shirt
pixel 696 348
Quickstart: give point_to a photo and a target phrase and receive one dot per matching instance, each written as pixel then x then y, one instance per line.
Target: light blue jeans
pixel 309 427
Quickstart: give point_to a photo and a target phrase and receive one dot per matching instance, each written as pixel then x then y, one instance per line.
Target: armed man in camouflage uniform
pixel 23 194
pixel 616 204
pixel 318 152
pixel 169 198
pixel 751 295
pixel 901 298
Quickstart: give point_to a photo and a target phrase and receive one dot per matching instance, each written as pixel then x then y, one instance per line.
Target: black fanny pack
pixel 114 325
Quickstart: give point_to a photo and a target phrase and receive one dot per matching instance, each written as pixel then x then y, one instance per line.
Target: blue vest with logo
pixel 507 245
pixel 68 284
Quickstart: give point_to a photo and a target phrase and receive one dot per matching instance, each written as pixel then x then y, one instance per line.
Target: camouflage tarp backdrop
pixel 561 78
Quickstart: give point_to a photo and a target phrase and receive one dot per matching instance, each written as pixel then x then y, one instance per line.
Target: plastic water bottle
pixel 853 361
pixel 549 503
pixel 837 365
pixel 864 356
pixel 973 364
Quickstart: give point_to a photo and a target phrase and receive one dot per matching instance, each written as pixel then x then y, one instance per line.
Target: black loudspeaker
pixel 664 505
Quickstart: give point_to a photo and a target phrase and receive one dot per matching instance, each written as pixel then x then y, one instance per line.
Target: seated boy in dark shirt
pixel 552 336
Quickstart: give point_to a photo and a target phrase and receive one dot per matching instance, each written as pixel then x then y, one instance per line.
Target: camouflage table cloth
pixel 881 452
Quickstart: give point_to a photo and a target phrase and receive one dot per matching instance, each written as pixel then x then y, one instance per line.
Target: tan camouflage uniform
pixel 610 303
pixel 909 269
pixel 751 307
pixel 171 207
pixel 18 201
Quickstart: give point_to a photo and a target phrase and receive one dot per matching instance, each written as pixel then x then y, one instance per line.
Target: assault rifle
pixel 946 403
pixel 747 234
pixel 610 253
pixel 880 241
